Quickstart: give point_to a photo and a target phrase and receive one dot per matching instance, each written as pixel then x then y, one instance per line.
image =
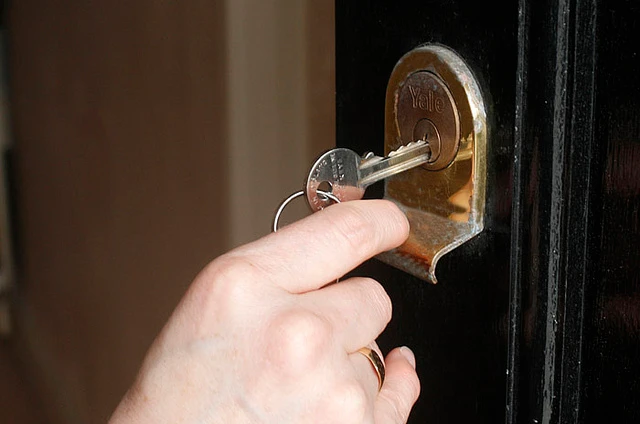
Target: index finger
pixel 316 250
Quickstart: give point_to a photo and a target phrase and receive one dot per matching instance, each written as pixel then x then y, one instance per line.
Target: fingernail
pixel 408 355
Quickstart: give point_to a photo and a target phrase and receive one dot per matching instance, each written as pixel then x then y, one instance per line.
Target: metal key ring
pixel 288 200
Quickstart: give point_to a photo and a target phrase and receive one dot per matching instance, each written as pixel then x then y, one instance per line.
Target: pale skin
pixel 262 337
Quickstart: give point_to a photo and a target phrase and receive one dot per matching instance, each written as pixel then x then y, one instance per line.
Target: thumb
pixel 400 389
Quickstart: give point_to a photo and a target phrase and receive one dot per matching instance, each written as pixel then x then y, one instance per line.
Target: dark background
pixel 537 319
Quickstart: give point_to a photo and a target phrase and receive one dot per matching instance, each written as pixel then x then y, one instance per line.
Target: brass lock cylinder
pixel 432 95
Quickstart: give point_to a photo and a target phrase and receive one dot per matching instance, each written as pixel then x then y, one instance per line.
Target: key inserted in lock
pixel 349 174
pixel 433 96
pixel 426 111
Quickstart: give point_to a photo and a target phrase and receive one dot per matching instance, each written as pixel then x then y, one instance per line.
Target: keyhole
pixel 427 131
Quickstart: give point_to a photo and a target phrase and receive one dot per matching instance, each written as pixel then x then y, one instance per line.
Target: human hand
pixel 260 337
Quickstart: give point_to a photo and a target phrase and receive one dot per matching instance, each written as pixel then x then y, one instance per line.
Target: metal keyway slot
pixel 433 96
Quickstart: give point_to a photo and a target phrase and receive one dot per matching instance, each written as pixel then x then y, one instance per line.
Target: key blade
pixel 400 160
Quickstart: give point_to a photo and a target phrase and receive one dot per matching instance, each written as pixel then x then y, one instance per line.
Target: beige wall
pixel 150 137
pixel 280 57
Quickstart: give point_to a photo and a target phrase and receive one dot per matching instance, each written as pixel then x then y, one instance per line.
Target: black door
pixel 536 320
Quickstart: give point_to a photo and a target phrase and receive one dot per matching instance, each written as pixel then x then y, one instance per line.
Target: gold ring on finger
pixel 376 363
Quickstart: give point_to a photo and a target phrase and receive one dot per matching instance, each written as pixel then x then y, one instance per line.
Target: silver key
pixel 349 174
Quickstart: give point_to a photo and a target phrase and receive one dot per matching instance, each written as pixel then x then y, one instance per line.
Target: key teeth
pixel 406 147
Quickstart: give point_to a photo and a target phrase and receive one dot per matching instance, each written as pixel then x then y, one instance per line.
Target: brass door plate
pixel 433 95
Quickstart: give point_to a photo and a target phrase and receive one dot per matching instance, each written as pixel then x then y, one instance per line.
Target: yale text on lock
pixel 428 101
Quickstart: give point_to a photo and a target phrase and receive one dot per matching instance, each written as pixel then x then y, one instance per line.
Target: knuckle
pixel 413 384
pixel 379 299
pixel 402 400
pixel 223 284
pixel 350 401
pixel 232 268
pixel 397 411
pixel 355 230
pixel 298 340
pixel 409 387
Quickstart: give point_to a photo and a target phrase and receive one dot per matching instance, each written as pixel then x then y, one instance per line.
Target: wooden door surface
pixel 536 320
